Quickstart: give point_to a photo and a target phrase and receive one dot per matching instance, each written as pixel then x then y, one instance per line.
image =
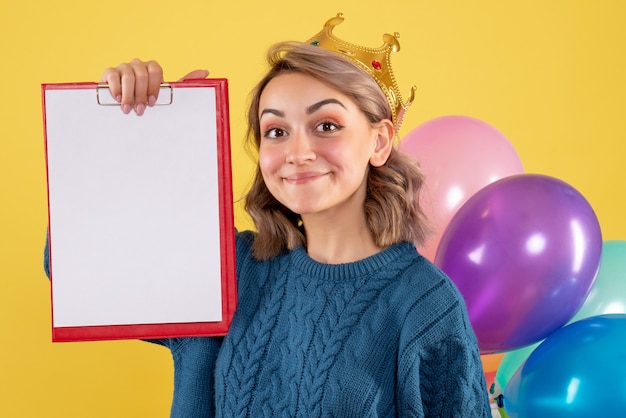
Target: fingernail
pixel 126 108
pixel 118 98
pixel 152 100
pixel 140 108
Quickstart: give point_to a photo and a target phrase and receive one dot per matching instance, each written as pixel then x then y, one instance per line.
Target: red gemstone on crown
pixel 376 65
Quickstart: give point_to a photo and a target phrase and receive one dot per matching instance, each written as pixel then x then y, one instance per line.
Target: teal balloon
pixel 512 361
pixel 607 296
pixel 579 371
pixel 608 293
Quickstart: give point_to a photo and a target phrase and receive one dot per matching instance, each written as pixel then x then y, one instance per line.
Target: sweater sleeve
pixel 194 376
pixel 443 378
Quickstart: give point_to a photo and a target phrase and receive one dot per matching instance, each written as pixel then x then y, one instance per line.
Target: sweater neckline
pixel 346 271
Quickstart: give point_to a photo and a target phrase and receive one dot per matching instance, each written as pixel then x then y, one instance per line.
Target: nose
pixel 299 149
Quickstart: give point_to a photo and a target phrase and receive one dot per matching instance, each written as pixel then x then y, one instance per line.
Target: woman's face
pixel 316 146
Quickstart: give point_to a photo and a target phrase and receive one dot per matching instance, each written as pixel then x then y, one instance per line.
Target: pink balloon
pixel 459 156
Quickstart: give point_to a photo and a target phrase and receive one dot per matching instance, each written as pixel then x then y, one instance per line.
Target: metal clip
pixel 166 96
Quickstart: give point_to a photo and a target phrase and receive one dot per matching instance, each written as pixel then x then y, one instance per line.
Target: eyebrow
pixel 314 107
pixel 309 110
pixel 273 112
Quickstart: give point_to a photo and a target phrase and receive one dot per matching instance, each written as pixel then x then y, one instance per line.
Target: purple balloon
pixel 524 251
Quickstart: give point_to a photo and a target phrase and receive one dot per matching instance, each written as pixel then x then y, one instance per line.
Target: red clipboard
pixel 141 230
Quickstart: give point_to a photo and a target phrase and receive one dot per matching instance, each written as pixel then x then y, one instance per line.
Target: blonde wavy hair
pixel 391 205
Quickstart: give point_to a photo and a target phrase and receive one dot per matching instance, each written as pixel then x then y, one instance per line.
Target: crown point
pixel 334 21
pixel 392 41
pixel 411 96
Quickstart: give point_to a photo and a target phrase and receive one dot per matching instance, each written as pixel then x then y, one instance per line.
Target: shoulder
pixel 422 280
pixel 250 271
pixel 432 306
pixel 243 242
pixel 245 239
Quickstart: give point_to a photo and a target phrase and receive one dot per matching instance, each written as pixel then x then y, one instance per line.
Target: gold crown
pixel 374 61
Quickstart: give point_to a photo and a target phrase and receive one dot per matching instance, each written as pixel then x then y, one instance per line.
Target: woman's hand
pixel 135 84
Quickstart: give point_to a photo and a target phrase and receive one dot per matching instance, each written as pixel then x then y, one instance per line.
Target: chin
pixel 303 210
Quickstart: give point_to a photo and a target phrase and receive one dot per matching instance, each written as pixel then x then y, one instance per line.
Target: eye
pixel 274 133
pixel 328 127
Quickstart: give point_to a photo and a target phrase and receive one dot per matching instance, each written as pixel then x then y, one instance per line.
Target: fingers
pixel 148 77
pixel 155 79
pixel 127 84
pixel 112 78
pixel 134 84
pixel 195 75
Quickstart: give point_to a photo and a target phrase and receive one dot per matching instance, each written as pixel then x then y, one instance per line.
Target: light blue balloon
pixel 579 371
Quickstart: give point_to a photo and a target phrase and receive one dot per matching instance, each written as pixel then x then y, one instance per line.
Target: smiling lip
pixel 303 178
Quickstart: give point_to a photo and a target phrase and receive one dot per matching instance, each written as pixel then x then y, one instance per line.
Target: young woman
pixel 338 315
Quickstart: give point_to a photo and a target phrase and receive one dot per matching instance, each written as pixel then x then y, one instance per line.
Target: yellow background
pixel 549 74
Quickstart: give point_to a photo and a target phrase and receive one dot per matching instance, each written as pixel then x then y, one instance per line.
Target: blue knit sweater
pixel 385 336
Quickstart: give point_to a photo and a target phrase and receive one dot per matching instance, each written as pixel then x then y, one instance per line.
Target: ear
pixel 385 134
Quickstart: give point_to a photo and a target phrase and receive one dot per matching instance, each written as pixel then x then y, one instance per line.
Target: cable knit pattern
pixel 387 336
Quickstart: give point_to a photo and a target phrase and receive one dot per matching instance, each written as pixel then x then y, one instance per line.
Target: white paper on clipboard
pixel 137 209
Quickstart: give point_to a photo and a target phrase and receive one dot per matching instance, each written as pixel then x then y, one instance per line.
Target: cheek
pixel 352 159
pixel 269 162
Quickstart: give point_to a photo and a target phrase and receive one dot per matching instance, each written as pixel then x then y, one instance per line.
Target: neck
pixel 336 240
